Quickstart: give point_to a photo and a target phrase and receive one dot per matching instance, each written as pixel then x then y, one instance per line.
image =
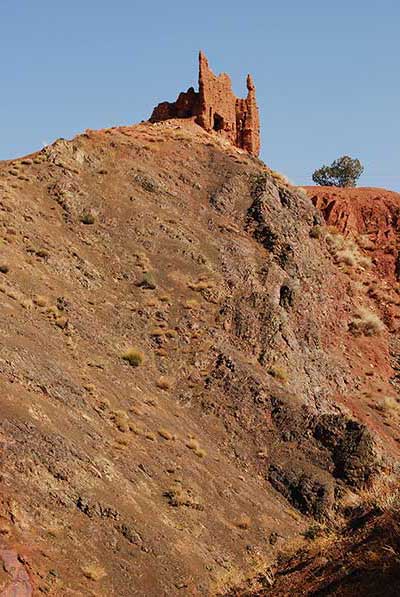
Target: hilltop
pixel 195 369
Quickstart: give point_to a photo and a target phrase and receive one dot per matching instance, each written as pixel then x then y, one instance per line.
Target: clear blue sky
pixel 327 73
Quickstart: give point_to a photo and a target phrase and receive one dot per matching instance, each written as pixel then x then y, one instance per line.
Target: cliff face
pixel 215 108
pixel 190 374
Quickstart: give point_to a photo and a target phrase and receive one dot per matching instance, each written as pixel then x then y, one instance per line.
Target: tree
pixel 343 172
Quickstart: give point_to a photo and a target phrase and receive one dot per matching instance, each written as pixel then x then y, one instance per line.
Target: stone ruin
pixel 215 108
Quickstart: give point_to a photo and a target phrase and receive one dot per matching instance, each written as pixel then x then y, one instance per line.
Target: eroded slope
pixel 259 403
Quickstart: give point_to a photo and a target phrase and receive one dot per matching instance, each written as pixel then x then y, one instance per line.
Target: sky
pixel 327 73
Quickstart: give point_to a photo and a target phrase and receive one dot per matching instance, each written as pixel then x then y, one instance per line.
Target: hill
pixel 195 370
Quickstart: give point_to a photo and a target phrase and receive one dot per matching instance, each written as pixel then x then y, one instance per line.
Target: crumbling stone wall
pixel 215 107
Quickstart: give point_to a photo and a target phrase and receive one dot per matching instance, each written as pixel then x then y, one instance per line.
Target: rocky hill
pixel 197 373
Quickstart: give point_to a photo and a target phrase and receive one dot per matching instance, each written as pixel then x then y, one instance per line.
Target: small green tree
pixel 343 172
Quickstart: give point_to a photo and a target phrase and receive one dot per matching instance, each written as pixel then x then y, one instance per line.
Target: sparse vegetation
pixel 345 250
pixel 121 420
pixel 366 322
pixel 313 532
pixel 147 282
pixel 150 435
pixel 165 434
pixel 171 333
pixel 40 301
pixel 157 332
pixel 192 304
pixel 278 373
pixel 164 383
pixel 194 445
pixel 94 572
pixel 244 522
pixel 201 285
pixel 87 218
pixel 389 404
pixel 317 231
pixel 43 253
pixel 177 496
pixel 133 356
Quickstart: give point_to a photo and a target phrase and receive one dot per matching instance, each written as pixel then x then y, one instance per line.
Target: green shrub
pixel 343 172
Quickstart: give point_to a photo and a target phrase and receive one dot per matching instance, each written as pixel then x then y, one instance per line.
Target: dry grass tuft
pixel 194 445
pixel 201 285
pixel 164 384
pixel 40 301
pixel 192 305
pixel 26 303
pixel 157 332
pixel 366 323
pixel 278 373
pixel 384 494
pixel 150 435
pixel 389 404
pixel 121 420
pixel 171 333
pixel 133 356
pixel 244 522
pixel 164 433
pixel 94 572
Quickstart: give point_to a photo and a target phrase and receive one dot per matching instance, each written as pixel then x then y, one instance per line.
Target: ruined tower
pixel 215 108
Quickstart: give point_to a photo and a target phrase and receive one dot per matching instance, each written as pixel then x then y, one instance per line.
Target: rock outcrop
pixel 215 107
pixel 371 215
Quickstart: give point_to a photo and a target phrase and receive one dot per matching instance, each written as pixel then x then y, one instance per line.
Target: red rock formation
pixel 372 213
pixel 215 107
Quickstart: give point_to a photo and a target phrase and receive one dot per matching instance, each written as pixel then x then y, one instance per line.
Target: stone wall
pixel 215 107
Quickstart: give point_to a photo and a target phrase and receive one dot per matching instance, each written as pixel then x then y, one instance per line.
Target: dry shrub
pixel 164 384
pixel 147 282
pixel 157 332
pixel 40 301
pixel 346 250
pixel 26 303
pixel 121 420
pixel 133 356
pixel 87 218
pixel 366 323
pixel 61 322
pixel 201 285
pixel 192 305
pixel 347 256
pixel 278 373
pixel 164 433
pixel 171 333
pixel 244 522
pixel 94 572
pixel 389 404
pixel 384 494
pixel 280 178
pixel 317 231
pixel 194 445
